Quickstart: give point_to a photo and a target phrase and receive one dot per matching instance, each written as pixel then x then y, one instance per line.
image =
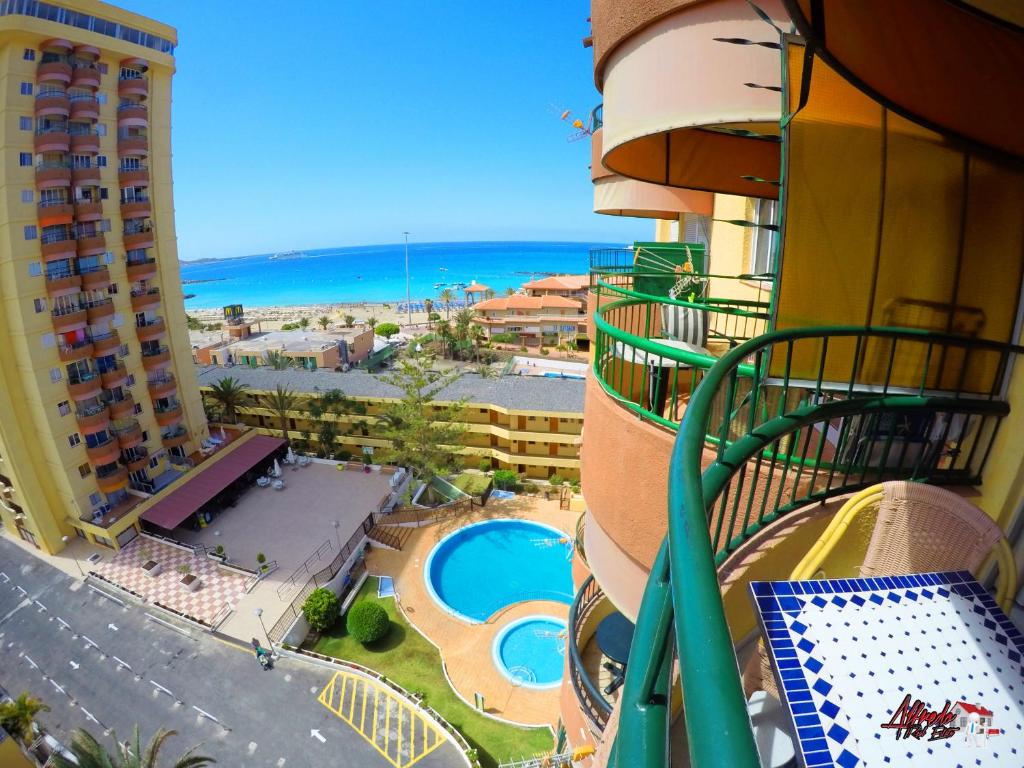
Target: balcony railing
pixel 593 703
pixel 800 416
pixel 155 351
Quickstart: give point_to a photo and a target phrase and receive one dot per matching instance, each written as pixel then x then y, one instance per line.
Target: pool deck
pixel 466 648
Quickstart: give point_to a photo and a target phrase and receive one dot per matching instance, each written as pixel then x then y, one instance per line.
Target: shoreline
pixel 272 317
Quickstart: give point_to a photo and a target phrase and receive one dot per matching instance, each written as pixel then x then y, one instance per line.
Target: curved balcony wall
pixel 59 249
pixel 98 310
pixel 48 214
pixel 132 146
pixel 86 210
pixel 106 342
pixel 53 105
pixel 157 359
pixel 114 377
pixel 141 270
pixel 54 72
pixel 137 464
pixel 53 140
pixel 85 388
pixel 589 607
pixel 152 331
pixel 112 481
pixel 63 286
pixel 136 240
pixel 129 437
pixel 92 245
pixel 104 453
pixel 173 442
pixel 674 96
pixel 137 209
pixel 133 87
pixel 85 109
pixel 56 45
pixel 134 115
pixel 123 408
pixel 162 387
pixel 70 353
pixel 96 277
pixel 86 77
pixel 85 143
pixel 134 177
pixel 86 176
pixel 92 419
pixel 52 176
pixel 70 321
pixel 168 417
pixel 147 300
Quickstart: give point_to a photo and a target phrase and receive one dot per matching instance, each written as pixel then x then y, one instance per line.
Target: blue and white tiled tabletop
pixel 848 651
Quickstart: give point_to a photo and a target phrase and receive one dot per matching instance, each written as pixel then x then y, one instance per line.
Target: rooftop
pixel 528 302
pixel 510 392
pixel 280 341
pixel 559 283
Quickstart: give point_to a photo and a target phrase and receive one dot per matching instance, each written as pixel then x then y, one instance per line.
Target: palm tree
pixel 89 753
pixel 510 291
pixel 281 401
pixel 489 293
pixel 444 333
pixel 17 716
pixel 323 321
pixel 446 299
pixel 372 322
pixel 304 323
pixel 428 305
pixel 230 393
pixel 277 361
pixel 350 320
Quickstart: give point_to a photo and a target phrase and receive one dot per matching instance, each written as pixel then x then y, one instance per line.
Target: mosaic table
pixel 849 652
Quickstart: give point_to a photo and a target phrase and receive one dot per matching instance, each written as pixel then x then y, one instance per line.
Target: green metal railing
pixel 634 362
pixel 800 416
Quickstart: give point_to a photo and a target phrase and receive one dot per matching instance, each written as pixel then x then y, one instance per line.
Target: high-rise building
pixel 834 302
pixel 94 418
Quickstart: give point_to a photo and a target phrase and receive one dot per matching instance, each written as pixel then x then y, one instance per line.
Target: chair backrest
pixel 686 324
pixel 922 528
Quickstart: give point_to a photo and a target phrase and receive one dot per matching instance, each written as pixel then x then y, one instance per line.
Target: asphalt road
pixel 105 666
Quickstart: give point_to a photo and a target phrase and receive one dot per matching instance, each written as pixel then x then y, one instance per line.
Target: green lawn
pixel 474 485
pixel 406 657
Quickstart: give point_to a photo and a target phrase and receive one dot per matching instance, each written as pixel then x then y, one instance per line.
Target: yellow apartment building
pixel 857 318
pixel 527 424
pixel 94 416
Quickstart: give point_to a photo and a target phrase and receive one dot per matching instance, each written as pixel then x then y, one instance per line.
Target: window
pixel 101 129
pixel 64 407
pixel 102 67
pixel 49 341
pixel 138 408
pixel 123 351
pixel 153 462
pixel 101 161
pixel 55 375
pixel 105 227
pixel 30 232
pixel 84 470
pixel 104 193
pixel 74 439
pixel 108 257
pixel 25 158
pixel 25 123
pixel 112 289
pixel 145 436
pixel 26 89
pixel 762 242
pixel 131 380
pixel 95 499
pixel 35 269
pixel 28 196
pixel 29 54
pixel 40 305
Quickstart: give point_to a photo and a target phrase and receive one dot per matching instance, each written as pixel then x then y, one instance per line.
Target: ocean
pixel 376 272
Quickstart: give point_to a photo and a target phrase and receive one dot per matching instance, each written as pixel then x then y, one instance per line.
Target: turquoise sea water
pixel 485 567
pixel 376 273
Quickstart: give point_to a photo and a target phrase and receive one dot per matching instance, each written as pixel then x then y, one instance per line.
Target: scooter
pixel 263 656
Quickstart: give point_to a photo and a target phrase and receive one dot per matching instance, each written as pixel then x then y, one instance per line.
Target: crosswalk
pixel 398 731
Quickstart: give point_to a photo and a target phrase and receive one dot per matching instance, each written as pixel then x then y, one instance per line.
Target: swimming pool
pixel 530 651
pixel 484 567
pixel 553 375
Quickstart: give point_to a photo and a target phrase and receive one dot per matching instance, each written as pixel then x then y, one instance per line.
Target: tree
pixel 324 410
pixel 323 321
pixel 91 754
pixel 193 323
pixel 304 323
pixel 489 293
pixel 17 716
pixel 387 330
pixel 428 306
pixel 446 299
pixel 372 322
pixel 446 336
pixel 281 402
pixel 422 435
pixel 350 320
pixel 510 291
pixel 321 609
pixel 277 361
pixel 230 394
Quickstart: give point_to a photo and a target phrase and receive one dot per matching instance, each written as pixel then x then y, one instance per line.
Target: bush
pixel 367 621
pixel 505 338
pixel 544 351
pixel 485 465
pixel 321 609
pixel 506 479
pixel 556 479
pixel 289 326
pixel 343 455
pixel 531 488
pixel 387 330
pixel 434 317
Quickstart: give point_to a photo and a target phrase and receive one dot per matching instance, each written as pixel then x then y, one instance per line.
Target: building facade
pixel 532 320
pixel 94 415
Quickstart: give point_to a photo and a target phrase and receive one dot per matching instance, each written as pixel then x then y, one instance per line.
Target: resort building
pixel 527 424
pixel 94 416
pixel 533 320
pixel 303 349
pixel 567 286
pixel 834 302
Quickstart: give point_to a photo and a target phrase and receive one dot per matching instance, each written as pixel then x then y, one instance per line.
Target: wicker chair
pixel 918 529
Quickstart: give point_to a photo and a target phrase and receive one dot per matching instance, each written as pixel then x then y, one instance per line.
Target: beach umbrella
pixel 222 435
pixel 277 468
pixel 291 455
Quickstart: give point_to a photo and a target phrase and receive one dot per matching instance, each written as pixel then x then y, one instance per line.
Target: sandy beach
pixel 272 318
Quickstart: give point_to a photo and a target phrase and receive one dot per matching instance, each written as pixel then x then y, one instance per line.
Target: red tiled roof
pixel 970 708
pixel 475 287
pixel 559 283
pixel 175 507
pixel 528 302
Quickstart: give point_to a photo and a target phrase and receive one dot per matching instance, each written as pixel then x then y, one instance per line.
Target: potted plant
pixel 149 565
pixel 219 552
pixel 189 580
pixel 262 560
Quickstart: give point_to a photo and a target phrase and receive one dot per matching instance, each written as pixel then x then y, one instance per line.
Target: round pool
pixel 482 568
pixel 530 652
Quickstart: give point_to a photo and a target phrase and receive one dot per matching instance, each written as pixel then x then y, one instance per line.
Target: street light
pixel 337 532
pixel 66 539
pixel 408 292
pixel 259 615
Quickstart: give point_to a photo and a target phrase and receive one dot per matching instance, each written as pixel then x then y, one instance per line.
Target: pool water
pixel 482 568
pixel 530 652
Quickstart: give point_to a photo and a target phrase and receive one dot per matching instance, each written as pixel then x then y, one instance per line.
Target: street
pixel 101 665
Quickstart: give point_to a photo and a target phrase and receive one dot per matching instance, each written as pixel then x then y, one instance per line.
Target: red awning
pixel 170 511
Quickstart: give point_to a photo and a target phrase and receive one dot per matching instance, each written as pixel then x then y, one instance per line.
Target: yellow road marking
pixel 387 725
pixel 362 717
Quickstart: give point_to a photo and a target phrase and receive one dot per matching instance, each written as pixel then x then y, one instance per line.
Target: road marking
pixel 34 665
pixel 161 688
pixel 41 606
pixel 90 642
pixel 89 715
pixel 6 578
pixel 280 762
pixel 252 747
pixel 168 624
pixel 111 626
pixel 121 663
pixel 205 714
pixel 314 733
pixel 101 593
pixel 63 623
pixel 56 685
pixel 74 664
pixel 20 589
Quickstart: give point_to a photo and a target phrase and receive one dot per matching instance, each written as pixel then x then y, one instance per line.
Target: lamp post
pixel 408 292
pixel 66 539
pixel 337 532
pixel 259 615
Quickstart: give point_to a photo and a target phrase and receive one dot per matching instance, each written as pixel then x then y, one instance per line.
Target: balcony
pixel 104 452
pixel 99 309
pixel 175 437
pixel 133 86
pixel 106 343
pixel 132 146
pixel 88 210
pixel 69 319
pixel 138 238
pixel 86 175
pixel 58 72
pixel 93 244
pixel 146 299
pixel 136 209
pixel 52 104
pixel 62 284
pixel 132 114
pixel 168 415
pixel 782 426
pixel 85 143
pixel 54 212
pixel 137 461
pixel 84 386
pixel 151 330
pixel 162 386
pixel 85 108
pixel 587 674
pixel 58 246
pixel 155 358
pixel 141 269
pixel 70 352
pixel 110 480
pixel 123 408
pixel 114 377
pixel 129 435
pixel 95 278
pixel 85 76
pixel 53 139
pixel 137 176
pixel 92 418
pixel 53 174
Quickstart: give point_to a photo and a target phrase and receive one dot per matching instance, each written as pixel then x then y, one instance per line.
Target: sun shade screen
pixel 889 224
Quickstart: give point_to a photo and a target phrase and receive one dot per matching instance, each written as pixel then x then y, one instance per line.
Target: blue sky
pixel 337 122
